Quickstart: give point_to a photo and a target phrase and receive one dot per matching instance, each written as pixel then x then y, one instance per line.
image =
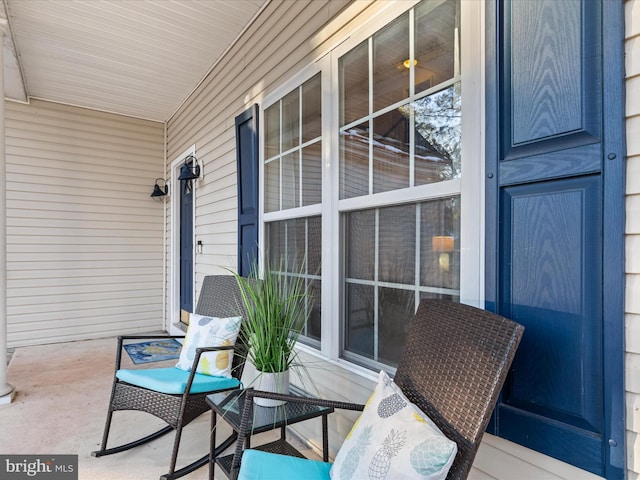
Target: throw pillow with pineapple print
pixel 206 331
pixel 393 439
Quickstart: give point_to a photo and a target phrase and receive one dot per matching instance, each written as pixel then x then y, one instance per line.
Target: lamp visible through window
pixel 444 245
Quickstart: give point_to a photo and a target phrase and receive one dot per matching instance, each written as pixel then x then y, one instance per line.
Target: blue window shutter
pixel 248 199
pixel 555 227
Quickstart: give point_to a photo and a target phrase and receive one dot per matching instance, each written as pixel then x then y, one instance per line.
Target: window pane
pixel 272 130
pixel 440 243
pixel 359 313
pixel 390 152
pixel 360 244
pixel 314 329
pixel 272 186
pixel 354 161
pixel 290 180
pixel 298 243
pixel 275 235
pixel 382 247
pixel 314 250
pixel 354 84
pixel 439 296
pixel 311 109
pixel 397 244
pixel 312 174
pixel 435 47
pixel 390 76
pixel 314 259
pixel 438 132
pixel 290 121
pixel 395 310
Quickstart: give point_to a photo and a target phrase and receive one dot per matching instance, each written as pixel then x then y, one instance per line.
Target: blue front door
pixel 555 236
pixel 186 249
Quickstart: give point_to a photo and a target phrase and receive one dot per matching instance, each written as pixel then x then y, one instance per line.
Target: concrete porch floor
pixel 60 408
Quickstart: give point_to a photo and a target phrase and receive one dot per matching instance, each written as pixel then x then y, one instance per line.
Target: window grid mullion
pixel 375 283
pixel 418 253
pixel 305 261
pixel 280 183
pixel 412 87
pixel 370 119
pixel 300 145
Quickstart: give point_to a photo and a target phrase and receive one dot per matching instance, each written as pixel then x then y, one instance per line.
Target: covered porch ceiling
pixel 140 58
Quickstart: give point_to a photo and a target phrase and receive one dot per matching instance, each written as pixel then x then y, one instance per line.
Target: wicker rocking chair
pixel 453 367
pixel 184 399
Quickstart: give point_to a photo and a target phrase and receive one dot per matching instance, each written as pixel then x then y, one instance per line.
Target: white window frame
pixel 470 186
pixel 305 211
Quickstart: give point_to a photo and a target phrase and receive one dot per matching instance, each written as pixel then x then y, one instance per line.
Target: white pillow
pixel 393 439
pixel 209 332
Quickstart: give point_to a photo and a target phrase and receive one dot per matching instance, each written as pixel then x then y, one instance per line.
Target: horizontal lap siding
pixel 632 250
pixel 84 239
pixel 285 38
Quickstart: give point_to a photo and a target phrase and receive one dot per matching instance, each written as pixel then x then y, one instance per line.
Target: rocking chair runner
pixel 454 364
pixel 182 397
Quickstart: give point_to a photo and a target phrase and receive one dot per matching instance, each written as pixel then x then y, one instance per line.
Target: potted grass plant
pixel 276 306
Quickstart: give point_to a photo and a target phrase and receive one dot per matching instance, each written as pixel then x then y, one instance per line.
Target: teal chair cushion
pixel 258 465
pixel 173 380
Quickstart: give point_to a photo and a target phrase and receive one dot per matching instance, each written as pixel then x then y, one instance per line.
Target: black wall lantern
pixel 190 169
pixel 160 191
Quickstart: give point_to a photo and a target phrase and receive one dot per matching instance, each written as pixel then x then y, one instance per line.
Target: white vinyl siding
pixel 84 239
pixel 287 38
pixel 632 250
pixel 265 55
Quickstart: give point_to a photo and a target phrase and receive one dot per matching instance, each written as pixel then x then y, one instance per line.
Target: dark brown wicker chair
pixel 220 297
pixel 453 367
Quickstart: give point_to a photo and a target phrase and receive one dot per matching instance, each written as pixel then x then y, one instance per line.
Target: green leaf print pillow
pixel 209 332
pixel 393 439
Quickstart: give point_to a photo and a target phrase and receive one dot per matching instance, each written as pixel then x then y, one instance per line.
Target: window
pixel 292 177
pixel 369 186
pixel 298 241
pixel 400 128
pixel 395 256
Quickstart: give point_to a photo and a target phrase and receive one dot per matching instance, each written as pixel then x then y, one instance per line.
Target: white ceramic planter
pixel 271 382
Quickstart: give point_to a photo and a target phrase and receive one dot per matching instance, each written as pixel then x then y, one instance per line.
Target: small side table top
pixel 229 406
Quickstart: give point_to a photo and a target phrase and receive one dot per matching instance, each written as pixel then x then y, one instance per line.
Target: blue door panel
pixel 186 246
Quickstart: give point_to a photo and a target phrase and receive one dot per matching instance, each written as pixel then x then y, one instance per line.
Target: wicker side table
pixel 228 405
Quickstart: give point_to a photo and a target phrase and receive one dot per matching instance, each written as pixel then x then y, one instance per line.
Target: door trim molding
pixel 174 235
